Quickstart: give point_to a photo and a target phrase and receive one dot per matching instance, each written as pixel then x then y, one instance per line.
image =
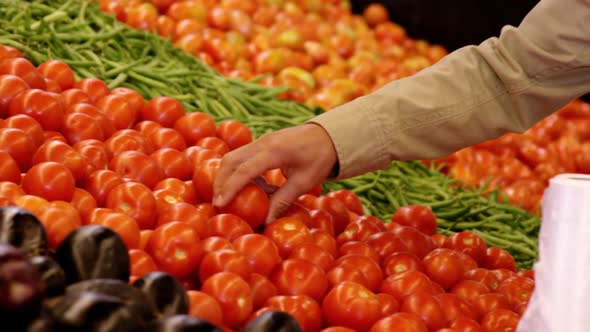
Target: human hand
pixel 304 153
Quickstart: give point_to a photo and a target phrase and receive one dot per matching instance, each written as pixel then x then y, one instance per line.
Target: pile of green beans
pixel 96 45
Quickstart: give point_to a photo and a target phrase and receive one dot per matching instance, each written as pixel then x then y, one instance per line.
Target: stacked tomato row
pixel 78 153
pixel 521 165
pixel 318 48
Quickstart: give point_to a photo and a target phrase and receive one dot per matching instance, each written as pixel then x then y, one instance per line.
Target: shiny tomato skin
pixel 42 106
pixel 517 289
pixel 400 262
pixel 79 126
pixel 18 145
pixel 386 244
pixel 321 219
pixel 500 320
pixel 454 307
pixel 60 152
pixel 24 69
pixel 469 289
pixel 400 322
pixel 296 276
pixel 84 202
pixel 351 305
pixel 136 200
pixel 213 143
pixel 439 240
pixel 416 241
pixel 417 216
pixel 204 177
pixel 485 276
pixel 167 138
pixel 176 249
pixel 323 239
pixel 125 226
pixel 184 189
pixel 94 87
pixel 50 180
pixel 58 222
pixel 204 306
pixel 349 199
pixel 196 154
pixel 467 243
pixel 463 324
pixel 73 96
pixel 485 303
pixel 147 127
pixel 173 163
pixel 195 126
pixel 233 294
pixel 498 258
pixel 427 307
pixel 105 124
pixel 27 124
pixel 313 253
pixel 338 211
pixel 138 167
pixel 100 183
pixel 406 283
pixel 58 71
pixel 262 289
pixel 251 204
pixel 133 98
pixel 444 267
pixel 359 248
pixel 164 110
pixel 234 133
pixel 128 139
pixel 95 153
pixel 214 243
pixel 287 233
pixel 10 86
pixel 360 229
pixel 369 267
pixel 116 109
pixel 305 310
pixel 225 260
pixel 346 272
pixel 141 262
pixel 9 170
pixel 262 253
pixel 228 226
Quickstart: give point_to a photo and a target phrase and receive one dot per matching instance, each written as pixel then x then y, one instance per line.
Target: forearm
pixel 474 94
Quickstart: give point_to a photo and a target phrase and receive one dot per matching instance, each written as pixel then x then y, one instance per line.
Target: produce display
pixel 97 46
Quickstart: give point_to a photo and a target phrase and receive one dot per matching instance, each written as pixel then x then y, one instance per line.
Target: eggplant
pixel 21 229
pixel 21 288
pixel 165 292
pixel 134 298
pixel 91 252
pixel 273 321
pixel 182 323
pixel 52 274
pixel 88 311
pixel 42 323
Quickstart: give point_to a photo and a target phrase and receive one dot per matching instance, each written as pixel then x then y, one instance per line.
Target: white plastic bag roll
pixel 561 300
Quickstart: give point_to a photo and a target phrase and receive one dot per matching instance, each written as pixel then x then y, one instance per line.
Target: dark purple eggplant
pixel 134 298
pixel 181 323
pixel 21 288
pixel 21 229
pixel 43 323
pixel 52 274
pixel 273 321
pixel 93 312
pixel 165 292
pixel 91 252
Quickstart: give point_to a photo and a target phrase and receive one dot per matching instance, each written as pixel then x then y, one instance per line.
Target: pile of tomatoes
pixel 327 55
pixel 522 164
pixel 78 153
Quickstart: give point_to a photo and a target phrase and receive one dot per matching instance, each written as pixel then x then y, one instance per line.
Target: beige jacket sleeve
pixel 474 94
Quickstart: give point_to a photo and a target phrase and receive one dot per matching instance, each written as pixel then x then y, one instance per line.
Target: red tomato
pixel 296 276
pixel 313 253
pixel 517 289
pixel 147 127
pixel 503 274
pixel 228 226
pixel 173 163
pixel 167 138
pixel 94 151
pixel 134 100
pixel 214 243
pixel 454 307
pixel 18 145
pixel 417 242
pixel 485 303
pixel 58 71
pixel 205 307
pixel 196 154
pixel 141 263
pixel 116 109
pixel 43 106
pixel 262 289
pixel 123 225
pixel 164 110
pixel 100 183
pixel 463 324
pixel 417 216
pixel 351 305
pixel 184 212
pixel 34 204
pixel 304 309
pixel 400 322
pixel 468 243
pixel 324 240
pixel 360 229
pixel 24 69
pixel 439 240
pixel 275 177
pixel 287 233
pixel 346 272
pixel 484 276
pixel 135 200
pixel 500 320
pixel 369 267
pixel 359 248
pixel 195 126
pixel 49 180
pixel 427 307
pixel 28 125
pixel 10 86
pixel 79 126
pixel 403 284
pixel 102 122
pixel 138 167
pixel 204 177
pixel 128 139
pixel 7 52
pixel 338 211
pixel 234 133
pixel 9 170
pixel 58 222
pixel 400 262
pixel 321 219
pixel 233 294
pixel 349 199
pixel 184 189
pixel 386 243
pixel 262 253
pixel 94 88
pixel 145 236
pixel 176 249
pixel 213 143
pixel 226 260
pixel 73 96
pixel 52 86
pixel 84 202
pixel 469 289
pixel 444 267
pixel 251 204
pixel 498 258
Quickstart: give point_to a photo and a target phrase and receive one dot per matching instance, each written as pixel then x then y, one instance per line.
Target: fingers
pixel 287 194
pixel 236 171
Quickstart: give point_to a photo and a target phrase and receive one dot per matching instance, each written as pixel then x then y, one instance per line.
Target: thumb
pixel 286 195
